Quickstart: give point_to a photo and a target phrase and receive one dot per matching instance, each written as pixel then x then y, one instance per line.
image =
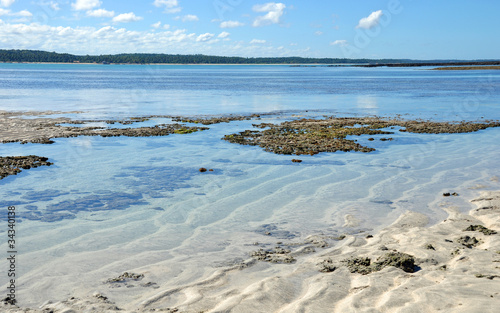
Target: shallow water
pixel 110 205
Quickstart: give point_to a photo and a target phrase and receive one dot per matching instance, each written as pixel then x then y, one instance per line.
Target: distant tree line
pixel 150 58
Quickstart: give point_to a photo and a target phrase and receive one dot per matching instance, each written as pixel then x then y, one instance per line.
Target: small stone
pixel 202 169
pixel 327 266
pixel 430 247
pixel 446 194
pixel 468 242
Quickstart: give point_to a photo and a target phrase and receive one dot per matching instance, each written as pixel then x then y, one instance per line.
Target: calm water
pixel 110 205
pixel 124 90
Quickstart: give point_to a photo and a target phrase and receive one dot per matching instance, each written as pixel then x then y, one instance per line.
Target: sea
pixel 117 204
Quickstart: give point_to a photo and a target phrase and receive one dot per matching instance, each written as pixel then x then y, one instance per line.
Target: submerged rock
pixel 277 255
pixel 15 164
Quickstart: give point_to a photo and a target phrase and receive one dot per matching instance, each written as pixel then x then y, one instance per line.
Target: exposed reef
pixel 14 128
pixel 214 120
pixel 15 164
pixel 312 136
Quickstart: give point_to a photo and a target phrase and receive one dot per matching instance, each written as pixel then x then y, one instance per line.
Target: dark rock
pixel 202 169
pixel 358 265
pixel 481 229
pixel 13 165
pixel 468 242
pixel 400 260
pixel 429 247
pixel 327 266
pixel 364 266
pixel 278 255
pixel 125 277
pixel 9 300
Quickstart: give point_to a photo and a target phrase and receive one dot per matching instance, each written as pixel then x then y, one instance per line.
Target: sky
pixel 409 29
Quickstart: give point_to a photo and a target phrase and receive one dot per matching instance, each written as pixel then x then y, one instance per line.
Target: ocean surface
pixel 110 205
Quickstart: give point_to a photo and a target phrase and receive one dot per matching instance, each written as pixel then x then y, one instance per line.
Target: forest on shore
pixel 36 56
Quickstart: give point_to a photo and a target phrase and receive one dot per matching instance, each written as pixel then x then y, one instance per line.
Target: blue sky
pixel 415 29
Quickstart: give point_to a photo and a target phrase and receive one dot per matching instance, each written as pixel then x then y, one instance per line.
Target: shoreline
pixel 446 65
pixel 456 269
pixel 467 68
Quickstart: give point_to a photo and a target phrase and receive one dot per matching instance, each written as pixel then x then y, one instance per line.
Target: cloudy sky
pixel 417 29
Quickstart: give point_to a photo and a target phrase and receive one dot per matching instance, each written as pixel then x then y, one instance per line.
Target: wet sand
pixel 456 269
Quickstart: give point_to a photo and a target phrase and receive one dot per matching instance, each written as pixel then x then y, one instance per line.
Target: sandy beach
pixel 454 267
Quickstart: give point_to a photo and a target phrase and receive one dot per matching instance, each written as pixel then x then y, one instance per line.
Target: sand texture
pixel 453 266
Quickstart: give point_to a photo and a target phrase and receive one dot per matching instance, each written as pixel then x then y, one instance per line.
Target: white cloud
pixel 190 18
pixel 126 18
pixel 318 33
pixel 101 13
pixel 231 24
pixel 113 39
pixel 7 3
pixel 341 43
pixel 167 3
pixel 205 37
pixel 90 40
pixel 157 25
pixel 273 16
pixel 171 6
pixel 371 21
pixel 52 4
pixel 224 35
pixel 257 41
pixel 81 5
pixel 23 13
